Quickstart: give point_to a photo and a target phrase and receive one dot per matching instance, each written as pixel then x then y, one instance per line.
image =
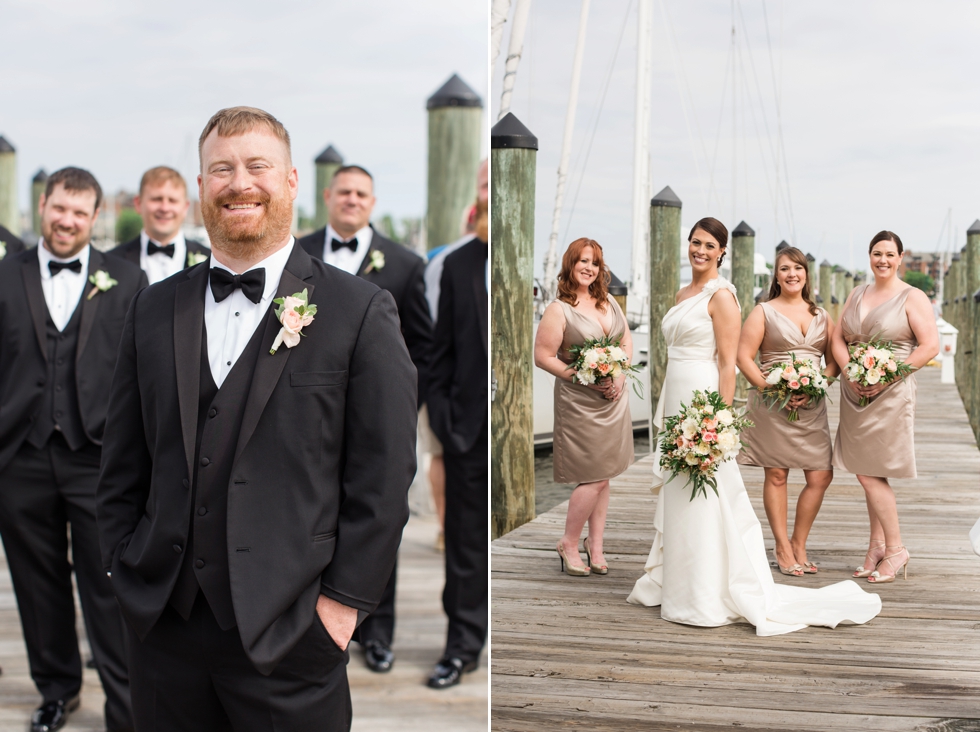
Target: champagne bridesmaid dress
pixel 774 441
pixel 593 437
pixel 877 439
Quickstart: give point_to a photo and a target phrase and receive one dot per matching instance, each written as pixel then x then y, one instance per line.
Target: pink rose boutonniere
pixel 294 312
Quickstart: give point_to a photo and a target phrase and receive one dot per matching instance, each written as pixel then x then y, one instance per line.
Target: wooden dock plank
pixel 571 653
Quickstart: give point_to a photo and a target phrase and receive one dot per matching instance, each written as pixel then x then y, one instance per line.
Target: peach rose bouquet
pixel 873 363
pixel 602 358
pixel 800 376
pixel 295 313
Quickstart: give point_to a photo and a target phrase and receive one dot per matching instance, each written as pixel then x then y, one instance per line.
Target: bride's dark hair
pixel 717 230
pixel 567 285
pixel 797 257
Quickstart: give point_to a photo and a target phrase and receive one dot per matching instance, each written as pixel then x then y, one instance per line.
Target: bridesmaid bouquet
pixel 787 380
pixel 874 362
pixel 601 358
pixel 699 438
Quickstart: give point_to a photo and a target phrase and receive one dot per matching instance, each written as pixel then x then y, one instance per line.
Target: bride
pixel 708 563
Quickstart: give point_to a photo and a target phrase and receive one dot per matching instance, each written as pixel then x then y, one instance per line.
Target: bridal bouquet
pixel 699 438
pixel 601 358
pixel 873 363
pixel 801 376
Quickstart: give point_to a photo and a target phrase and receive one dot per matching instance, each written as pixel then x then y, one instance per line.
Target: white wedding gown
pixel 708 564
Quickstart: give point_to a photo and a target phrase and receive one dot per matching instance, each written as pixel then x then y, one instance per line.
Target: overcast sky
pixel 118 87
pixel 880 106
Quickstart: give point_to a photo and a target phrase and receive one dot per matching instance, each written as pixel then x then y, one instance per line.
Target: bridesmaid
pixel 875 441
pixel 593 438
pixel 788 321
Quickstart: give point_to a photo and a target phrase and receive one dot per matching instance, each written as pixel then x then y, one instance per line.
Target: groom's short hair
pixel 235 121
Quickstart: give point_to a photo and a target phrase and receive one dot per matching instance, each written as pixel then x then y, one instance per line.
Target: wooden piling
pixel 455 113
pixel 38 182
pixel 618 290
pixel 812 275
pixel 848 286
pixel 972 366
pixel 742 252
pixel 326 163
pixel 665 281
pixel 839 290
pixel 9 213
pixel 826 288
pixel 513 160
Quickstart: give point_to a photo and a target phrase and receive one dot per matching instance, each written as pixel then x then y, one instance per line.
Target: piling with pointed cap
pixel 848 286
pixel 811 273
pixel 455 112
pixel 38 182
pixel 742 251
pixel 326 163
pixel 839 290
pixel 9 214
pixel 618 290
pixel 665 281
pixel 513 160
pixel 827 286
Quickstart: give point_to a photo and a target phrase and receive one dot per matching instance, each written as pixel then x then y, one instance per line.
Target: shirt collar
pixel 44 256
pixel 178 240
pixel 274 265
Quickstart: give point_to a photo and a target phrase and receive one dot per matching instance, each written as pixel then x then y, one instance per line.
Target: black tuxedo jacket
pixel 458 389
pixel 131 250
pixel 23 344
pixel 318 493
pixel 402 276
pixel 12 244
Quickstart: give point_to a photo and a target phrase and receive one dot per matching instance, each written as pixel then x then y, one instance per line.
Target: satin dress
pixel 774 441
pixel 708 562
pixel 593 436
pixel 877 439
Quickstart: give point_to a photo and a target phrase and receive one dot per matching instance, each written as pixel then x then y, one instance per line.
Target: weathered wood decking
pixel 393 702
pixel 570 653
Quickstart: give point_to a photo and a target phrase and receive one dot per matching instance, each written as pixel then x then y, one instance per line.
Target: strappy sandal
pixel 879 579
pixel 860 572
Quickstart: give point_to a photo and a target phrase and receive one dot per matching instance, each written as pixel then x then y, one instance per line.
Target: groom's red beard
pixel 241 238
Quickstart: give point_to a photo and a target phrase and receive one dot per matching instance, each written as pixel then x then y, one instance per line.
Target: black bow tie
pixel 153 248
pixel 74 265
pixel 336 244
pixel 252 283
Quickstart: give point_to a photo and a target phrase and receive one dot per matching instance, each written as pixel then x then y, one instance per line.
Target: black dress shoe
pixel 378 656
pixel 449 671
pixel 52 715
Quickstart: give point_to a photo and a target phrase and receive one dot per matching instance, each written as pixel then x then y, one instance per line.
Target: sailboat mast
pixel 641 160
pixel 498 17
pixel 551 258
pixel 514 51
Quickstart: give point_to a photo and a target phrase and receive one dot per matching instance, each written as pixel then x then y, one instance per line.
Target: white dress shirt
pixel 160 266
pixel 231 322
pixel 64 291
pixel 344 258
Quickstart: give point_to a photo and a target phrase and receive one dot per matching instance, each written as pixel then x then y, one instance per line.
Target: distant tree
pixel 386 225
pixel 128 225
pixel 922 281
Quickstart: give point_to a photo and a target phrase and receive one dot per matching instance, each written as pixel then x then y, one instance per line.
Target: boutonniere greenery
pixel 102 282
pixel 3 249
pixel 195 258
pixel 294 312
pixel 377 262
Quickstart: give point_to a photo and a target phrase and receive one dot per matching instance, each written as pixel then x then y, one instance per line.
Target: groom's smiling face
pixel 247 188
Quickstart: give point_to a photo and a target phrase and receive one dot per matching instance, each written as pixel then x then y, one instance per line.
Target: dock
pixel 397 701
pixel 570 653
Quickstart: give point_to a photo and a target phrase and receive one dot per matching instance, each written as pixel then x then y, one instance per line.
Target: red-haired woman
pixel 593 437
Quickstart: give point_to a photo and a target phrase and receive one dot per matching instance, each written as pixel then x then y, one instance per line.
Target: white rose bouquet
pixel 799 377
pixel 602 358
pixel 699 438
pixel 873 363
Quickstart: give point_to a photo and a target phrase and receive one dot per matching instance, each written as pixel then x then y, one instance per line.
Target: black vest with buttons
pixel 59 403
pixel 219 420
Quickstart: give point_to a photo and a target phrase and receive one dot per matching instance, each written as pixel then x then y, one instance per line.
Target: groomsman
pixel 9 244
pixel 350 243
pixel 458 415
pixel 62 307
pixel 161 249
pixel 252 497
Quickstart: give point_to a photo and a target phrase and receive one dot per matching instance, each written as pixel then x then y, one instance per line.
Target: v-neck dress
pixel 593 438
pixel 774 441
pixel 877 439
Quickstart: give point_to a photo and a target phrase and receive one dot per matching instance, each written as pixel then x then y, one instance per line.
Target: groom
pixel 250 503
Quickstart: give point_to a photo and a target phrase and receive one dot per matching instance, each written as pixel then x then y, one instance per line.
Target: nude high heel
pixel 879 579
pixel 596 568
pixel 861 571
pixel 568 568
pixel 794 570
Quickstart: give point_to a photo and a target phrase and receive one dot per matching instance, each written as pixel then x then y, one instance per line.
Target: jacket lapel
pixel 89 307
pixel 269 368
pixel 188 335
pixel 35 301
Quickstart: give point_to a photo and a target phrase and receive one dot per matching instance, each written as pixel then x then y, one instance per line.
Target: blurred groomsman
pixel 350 243
pixel 62 308
pixel 9 244
pixel 161 249
pixel 458 415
